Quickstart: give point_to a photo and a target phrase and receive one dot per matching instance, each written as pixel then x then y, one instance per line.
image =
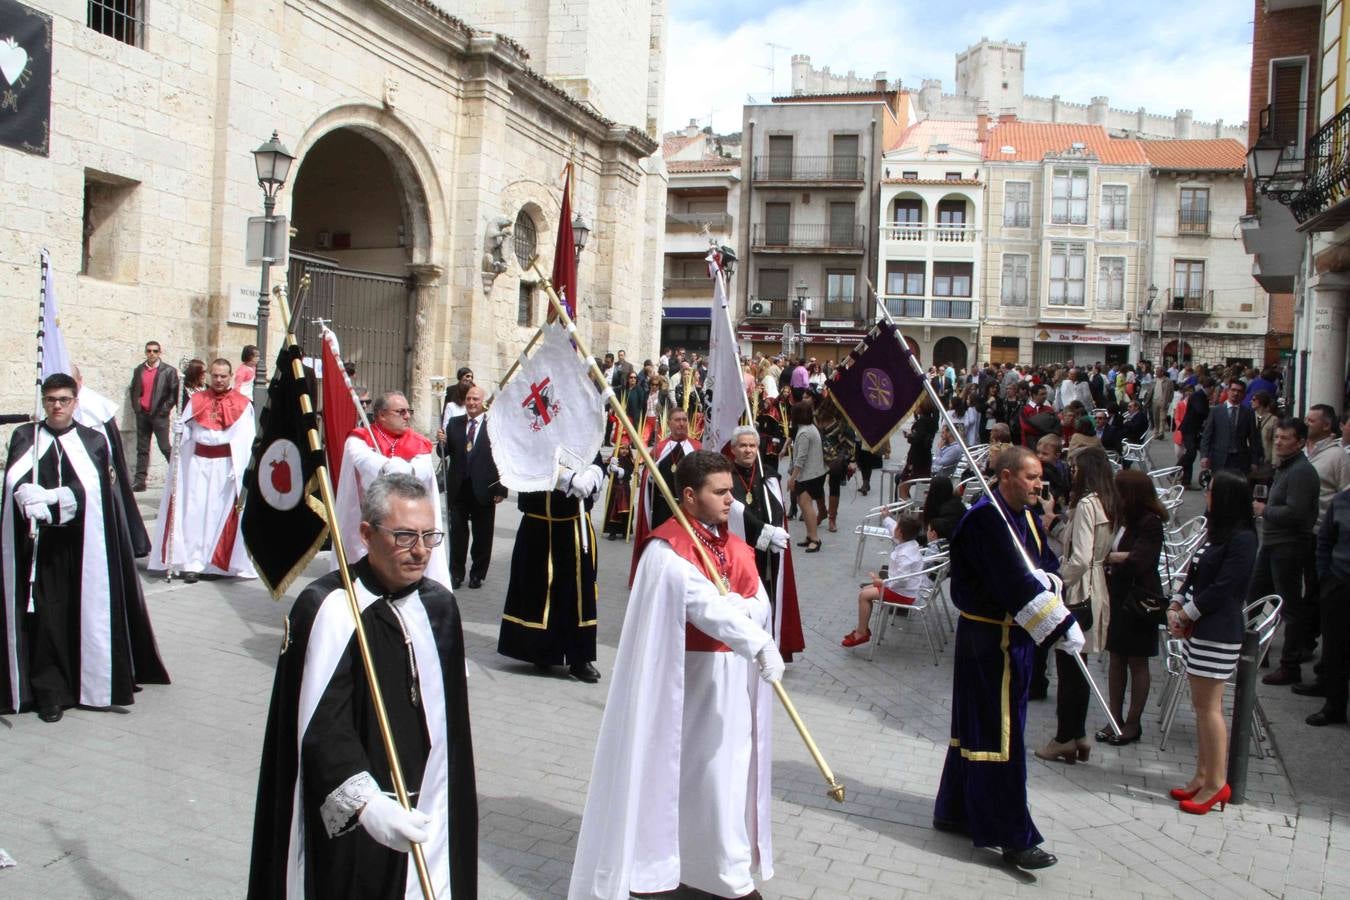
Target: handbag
pixel 1145 605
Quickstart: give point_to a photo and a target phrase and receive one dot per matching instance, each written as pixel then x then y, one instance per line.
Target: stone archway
pixel 951 351
pixel 366 232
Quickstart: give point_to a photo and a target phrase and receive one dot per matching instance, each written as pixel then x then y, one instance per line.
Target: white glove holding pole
pixel 396 466
pixel 779 538
pixel 28 494
pixel 1073 640
pixel 39 512
pixel 771 665
pixel 388 823
pixel 584 483
pixel 615 467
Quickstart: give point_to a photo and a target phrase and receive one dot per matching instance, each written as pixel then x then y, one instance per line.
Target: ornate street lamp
pixel 580 233
pixel 273 163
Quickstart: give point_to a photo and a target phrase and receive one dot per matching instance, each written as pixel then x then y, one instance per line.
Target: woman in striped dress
pixel 1208 614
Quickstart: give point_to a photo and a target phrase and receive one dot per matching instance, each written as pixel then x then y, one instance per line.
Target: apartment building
pixel 807 206
pixel 703 196
pixel 1065 244
pixel 930 257
pixel 1299 229
pixel 1207 307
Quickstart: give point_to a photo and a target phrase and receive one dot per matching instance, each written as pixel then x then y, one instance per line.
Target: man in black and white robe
pixel 327 825
pixel 100 413
pixel 76 630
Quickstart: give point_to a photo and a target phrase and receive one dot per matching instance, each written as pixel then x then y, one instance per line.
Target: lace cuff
pixel 339 808
pixel 66 504
pixel 1042 616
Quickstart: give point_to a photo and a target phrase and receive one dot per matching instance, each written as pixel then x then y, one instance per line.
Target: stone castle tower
pixel 993 71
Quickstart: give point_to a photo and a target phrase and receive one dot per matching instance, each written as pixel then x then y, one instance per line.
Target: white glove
pixel 38 511
pixel 396 466
pixel 29 494
pixel 1073 640
pixel 779 538
pixel 615 468
pixel 1043 577
pixel 771 666
pixel 392 825
pixel 584 483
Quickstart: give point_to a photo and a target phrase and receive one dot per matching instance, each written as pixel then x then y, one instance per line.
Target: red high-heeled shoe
pixel 1199 809
pixel 1183 794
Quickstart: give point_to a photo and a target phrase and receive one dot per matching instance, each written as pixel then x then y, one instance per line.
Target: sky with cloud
pixel 1159 55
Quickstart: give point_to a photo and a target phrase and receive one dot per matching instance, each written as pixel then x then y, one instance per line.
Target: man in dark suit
pixel 1231 440
pixel 472 490
pixel 154 391
pixel 1197 414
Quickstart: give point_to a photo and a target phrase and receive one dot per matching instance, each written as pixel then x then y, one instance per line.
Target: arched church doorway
pixel 951 351
pixel 352 209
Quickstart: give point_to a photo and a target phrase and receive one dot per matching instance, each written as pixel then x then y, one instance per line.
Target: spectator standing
pixel 1132 570
pixel 922 431
pixel 472 490
pixel 194 380
pixel 1263 407
pixel 1092 509
pixel 839 447
pixel 1290 515
pixel 1032 426
pixel 1333 576
pixel 1161 403
pixel 1208 614
pixel 806 480
pixel 1327 455
pixel 619 374
pixel 1192 427
pixel 1230 439
pixel 247 370
pixel 154 388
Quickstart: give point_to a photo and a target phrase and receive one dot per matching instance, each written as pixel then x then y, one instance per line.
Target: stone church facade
pixel 417 136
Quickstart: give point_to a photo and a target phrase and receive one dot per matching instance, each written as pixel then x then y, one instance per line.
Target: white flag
pixel 55 357
pixel 549 415
pixel 724 380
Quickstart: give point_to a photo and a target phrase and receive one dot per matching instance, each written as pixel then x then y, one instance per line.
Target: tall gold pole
pixel 367 661
pixel 836 790
pixel 538 333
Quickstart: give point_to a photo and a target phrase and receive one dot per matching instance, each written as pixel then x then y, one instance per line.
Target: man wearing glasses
pixel 154 389
pixel 75 623
pixel 326 816
pixel 388 446
pixel 197 531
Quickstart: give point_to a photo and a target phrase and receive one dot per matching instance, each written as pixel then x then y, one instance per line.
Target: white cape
pixel 630 830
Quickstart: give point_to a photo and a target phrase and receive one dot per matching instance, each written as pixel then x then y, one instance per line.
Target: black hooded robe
pixel 321 704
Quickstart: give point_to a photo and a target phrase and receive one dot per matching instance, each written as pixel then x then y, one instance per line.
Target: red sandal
pixel 853 640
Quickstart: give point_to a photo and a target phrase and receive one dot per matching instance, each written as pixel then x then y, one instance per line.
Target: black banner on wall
pixel 25 78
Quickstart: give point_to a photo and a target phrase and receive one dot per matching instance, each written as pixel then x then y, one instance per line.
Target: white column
pixel 1327 346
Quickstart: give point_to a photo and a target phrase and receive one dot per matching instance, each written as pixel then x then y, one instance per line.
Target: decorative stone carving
pixel 494 243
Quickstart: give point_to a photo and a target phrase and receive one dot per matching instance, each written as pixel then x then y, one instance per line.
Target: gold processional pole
pixel 836 790
pixel 538 333
pixel 376 697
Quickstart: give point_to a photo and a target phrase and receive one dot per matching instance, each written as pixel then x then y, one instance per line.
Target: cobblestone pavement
pixel 157 802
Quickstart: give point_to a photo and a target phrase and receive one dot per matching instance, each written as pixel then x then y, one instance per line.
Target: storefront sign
pixel 1076 336
pixel 243 305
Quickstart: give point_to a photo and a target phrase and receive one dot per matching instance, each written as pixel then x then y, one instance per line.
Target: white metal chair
pixel 883 611
pixel 1137 453
pixel 1165 477
pixel 872 527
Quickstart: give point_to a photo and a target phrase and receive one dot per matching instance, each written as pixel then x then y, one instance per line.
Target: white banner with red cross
pixel 547 417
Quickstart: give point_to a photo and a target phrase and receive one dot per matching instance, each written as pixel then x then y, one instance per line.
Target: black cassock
pixel 100 413
pixel 88 639
pixel 321 703
pixel 550 617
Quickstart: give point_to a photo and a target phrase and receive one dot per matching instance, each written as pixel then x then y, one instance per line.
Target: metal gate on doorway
pixel 370 313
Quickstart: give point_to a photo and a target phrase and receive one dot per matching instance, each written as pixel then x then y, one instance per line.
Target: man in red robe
pixel 197 531
pixel 389 445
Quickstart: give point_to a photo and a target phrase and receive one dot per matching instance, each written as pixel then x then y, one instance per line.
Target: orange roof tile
pixel 960 135
pixel 1030 142
pixel 1222 155
pixel 674 143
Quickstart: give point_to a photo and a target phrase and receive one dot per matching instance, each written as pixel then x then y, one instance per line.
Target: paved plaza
pixel 157 801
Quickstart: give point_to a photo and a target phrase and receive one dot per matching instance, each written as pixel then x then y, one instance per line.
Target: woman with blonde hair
pixel 1093 502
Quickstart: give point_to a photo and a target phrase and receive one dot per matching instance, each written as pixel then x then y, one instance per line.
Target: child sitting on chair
pixel 905 582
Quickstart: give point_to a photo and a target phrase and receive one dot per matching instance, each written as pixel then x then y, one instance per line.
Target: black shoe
pixel 138 487
pixel 543 668
pixel 191 577
pixel 1316 689
pixel 50 713
pixel 456 583
pixel 1125 737
pixel 950 827
pixel 1030 858
pixel 586 672
pixel 1322 717
pixel 1307 656
pixel 1282 676
pixel 475 582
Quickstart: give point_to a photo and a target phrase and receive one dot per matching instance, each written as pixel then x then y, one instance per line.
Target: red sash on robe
pixel 734 558
pixel 406 446
pixel 218 411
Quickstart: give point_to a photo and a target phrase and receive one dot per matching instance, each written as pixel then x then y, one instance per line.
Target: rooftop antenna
pixel 773 63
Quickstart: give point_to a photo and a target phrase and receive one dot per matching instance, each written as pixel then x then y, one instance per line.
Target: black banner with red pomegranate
pixel 284 523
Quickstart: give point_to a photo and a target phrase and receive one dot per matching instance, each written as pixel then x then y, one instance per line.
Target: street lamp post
pixel 580 233
pixel 800 309
pixel 1143 321
pixel 273 164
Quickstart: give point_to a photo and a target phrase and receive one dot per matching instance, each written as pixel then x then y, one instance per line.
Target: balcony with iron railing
pixel 848 171
pixel 1193 301
pixel 1193 221
pixel 715 221
pixel 1323 204
pixel 807 238
pixel 944 309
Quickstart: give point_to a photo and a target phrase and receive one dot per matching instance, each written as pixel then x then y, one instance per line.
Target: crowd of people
pixel 1058 550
